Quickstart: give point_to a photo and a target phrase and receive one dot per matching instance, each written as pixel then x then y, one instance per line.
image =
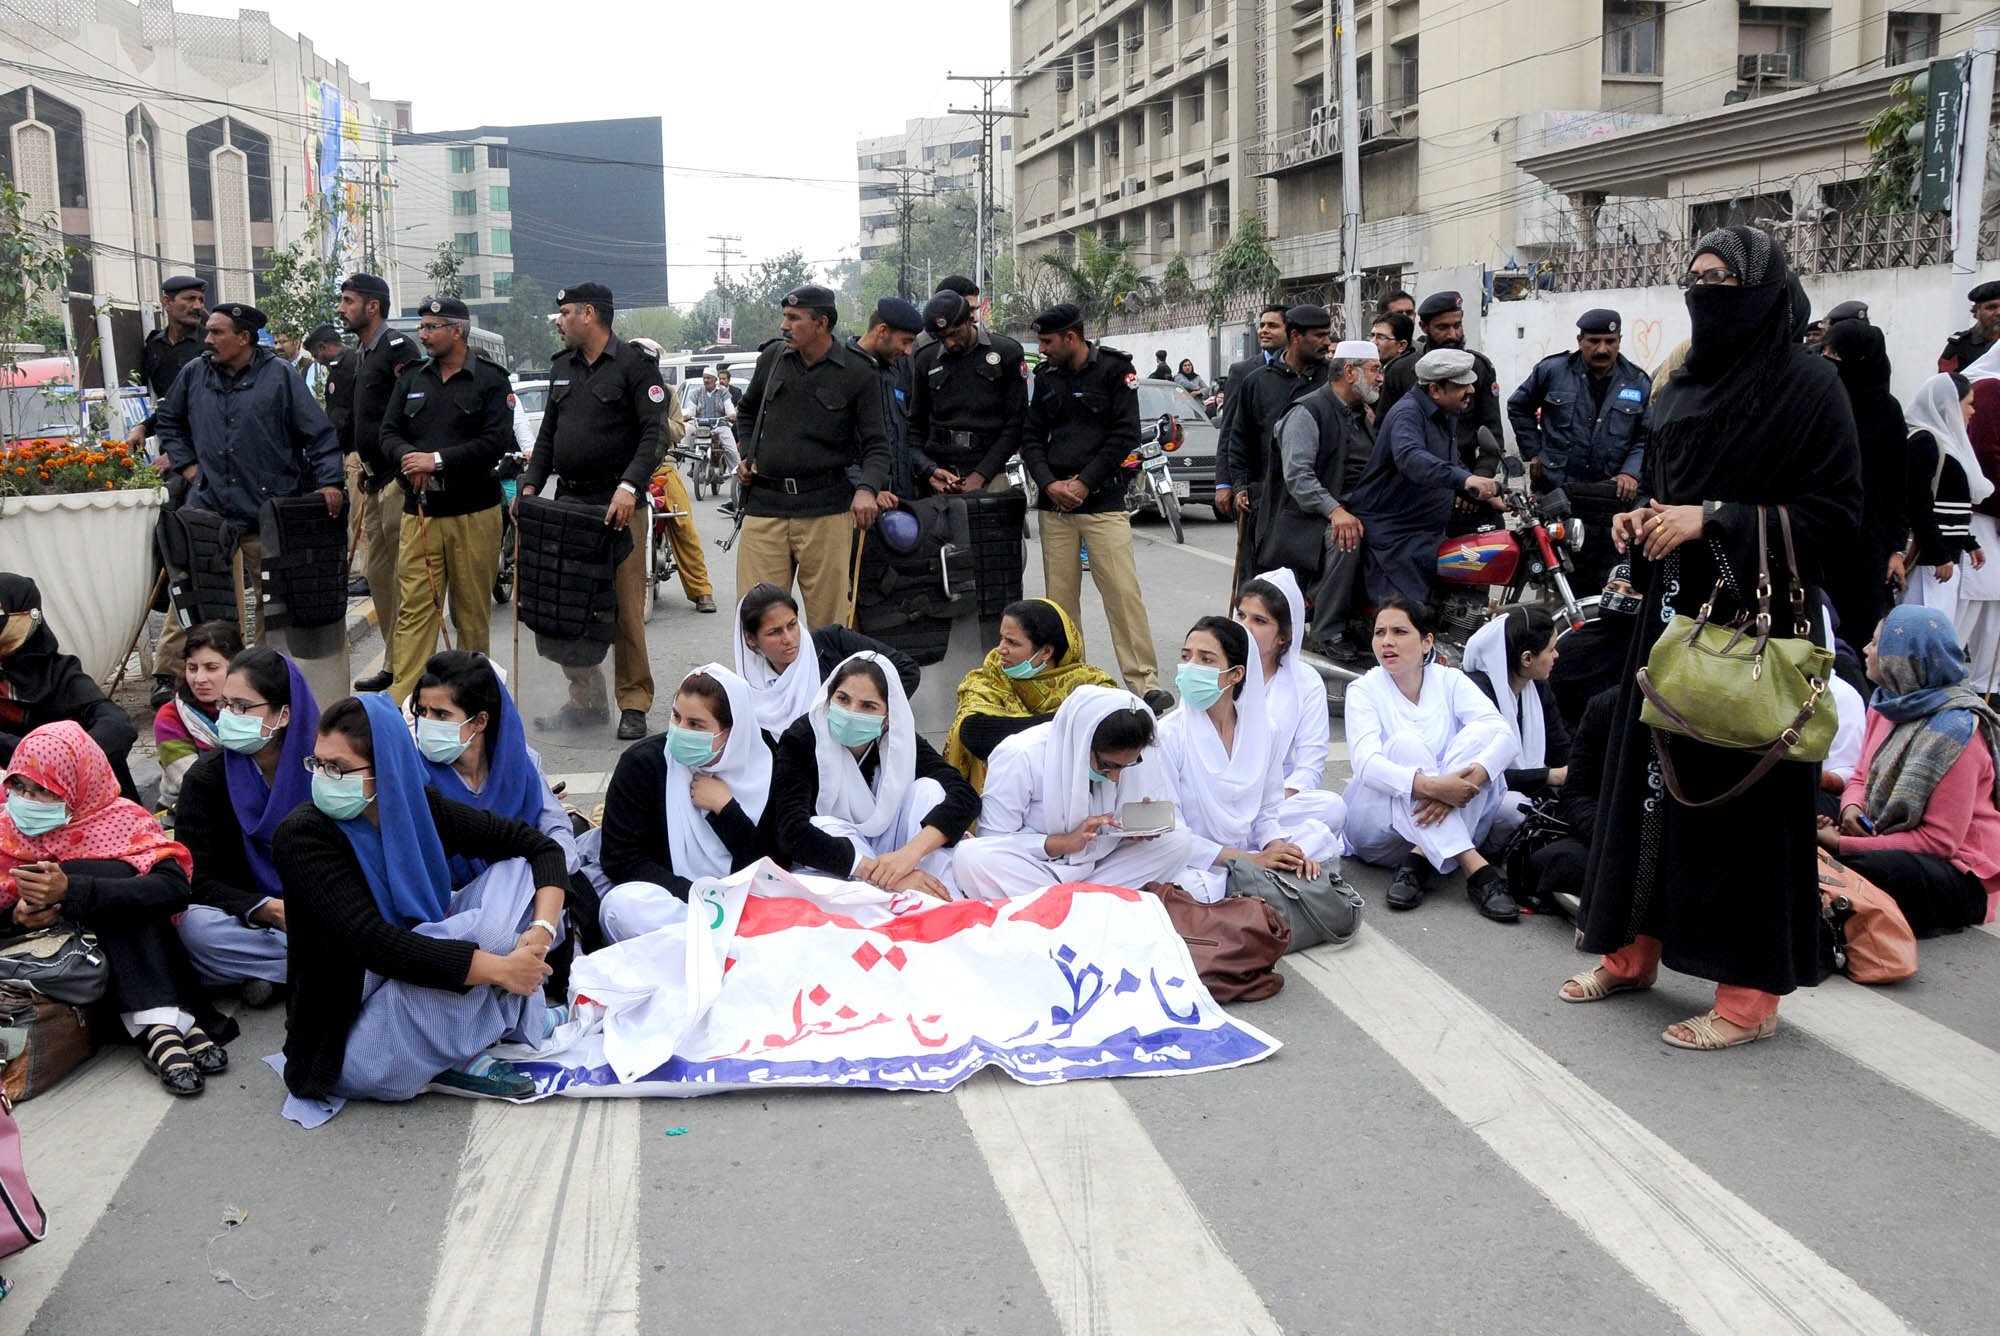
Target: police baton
pixel 854 577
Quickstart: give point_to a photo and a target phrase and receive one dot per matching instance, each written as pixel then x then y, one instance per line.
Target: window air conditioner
pixel 1218 217
pixel 1065 80
pixel 1164 231
pixel 1110 148
pixel 1088 106
pixel 1764 65
pixel 1134 42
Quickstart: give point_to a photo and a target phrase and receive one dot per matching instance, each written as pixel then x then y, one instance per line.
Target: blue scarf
pixel 419 891
pixel 260 807
pixel 514 785
pixel 1922 673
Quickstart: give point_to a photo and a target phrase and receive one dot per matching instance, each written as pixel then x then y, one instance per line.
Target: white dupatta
pixel 745 766
pixel 843 791
pixel 778 697
pixel 1486 653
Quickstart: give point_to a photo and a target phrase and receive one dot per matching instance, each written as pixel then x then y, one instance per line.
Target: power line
pixel 988 116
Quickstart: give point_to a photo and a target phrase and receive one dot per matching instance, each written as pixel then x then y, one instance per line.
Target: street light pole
pixel 988 115
pixel 1350 174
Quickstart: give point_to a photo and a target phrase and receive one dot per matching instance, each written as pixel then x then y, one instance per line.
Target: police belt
pixel 804 485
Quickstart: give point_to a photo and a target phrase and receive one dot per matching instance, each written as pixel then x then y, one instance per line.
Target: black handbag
pixel 62 964
pixel 1321 909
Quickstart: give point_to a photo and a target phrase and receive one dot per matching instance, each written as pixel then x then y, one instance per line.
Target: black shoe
pixel 1158 701
pixel 358 587
pixel 164 687
pixel 1407 890
pixel 1342 650
pixel 210 1058
pixel 574 716
pixel 1489 895
pixel 631 725
pixel 161 1049
pixel 379 682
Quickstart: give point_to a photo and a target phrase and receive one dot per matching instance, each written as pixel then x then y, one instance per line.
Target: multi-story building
pixel 456 190
pixel 167 142
pixel 946 148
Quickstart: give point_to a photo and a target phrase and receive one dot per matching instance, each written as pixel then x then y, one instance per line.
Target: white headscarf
pixel 1486 653
pixel 1067 796
pixel 780 697
pixel 1229 785
pixel 843 792
pixel 1295 688
pixel 1986 366
pixel 745 766
pixel 1935 409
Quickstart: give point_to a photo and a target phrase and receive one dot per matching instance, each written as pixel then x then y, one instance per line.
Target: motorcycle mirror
pixel 1511 465
pixel 1486 440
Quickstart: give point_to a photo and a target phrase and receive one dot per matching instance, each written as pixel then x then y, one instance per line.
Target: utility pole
pixel 1350 175
pixel 906 210
pixel 722 249
pixel 988 116
pixel 1972 155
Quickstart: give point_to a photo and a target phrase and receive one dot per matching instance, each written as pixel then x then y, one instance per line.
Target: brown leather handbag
pixel 1236 942
pixel 1872 942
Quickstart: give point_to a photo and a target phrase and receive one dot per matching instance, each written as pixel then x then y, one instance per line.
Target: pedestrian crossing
pixel 1430 1053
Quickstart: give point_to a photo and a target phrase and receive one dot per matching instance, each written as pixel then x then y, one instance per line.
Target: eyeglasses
pixel 331 769
pixel 1709 278
pixel 426 328
pixel 1104 767
pixel 243 706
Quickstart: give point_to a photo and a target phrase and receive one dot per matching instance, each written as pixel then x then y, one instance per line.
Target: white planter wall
pixel 92 555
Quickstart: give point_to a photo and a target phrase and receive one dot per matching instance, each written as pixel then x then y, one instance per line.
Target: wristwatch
pixel 628 487
pixel 437 460
pixel 546 927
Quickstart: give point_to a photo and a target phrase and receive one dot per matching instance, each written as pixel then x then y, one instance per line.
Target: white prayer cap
pixel 1356 350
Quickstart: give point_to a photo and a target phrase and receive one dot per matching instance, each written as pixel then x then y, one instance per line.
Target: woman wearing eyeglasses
pixel 399 982
pixel 230 805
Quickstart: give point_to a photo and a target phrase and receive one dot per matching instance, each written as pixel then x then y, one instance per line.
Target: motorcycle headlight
pixel 1573 533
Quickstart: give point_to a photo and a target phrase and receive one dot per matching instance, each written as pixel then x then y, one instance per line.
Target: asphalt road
pixel 1441 1146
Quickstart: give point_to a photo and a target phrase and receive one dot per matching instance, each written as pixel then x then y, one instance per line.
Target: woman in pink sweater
pixel 1921 815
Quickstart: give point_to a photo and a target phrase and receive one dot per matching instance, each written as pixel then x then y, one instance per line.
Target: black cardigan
pixel 834 643
pixel 335 934
pixel 635 844
pixel 1555 733
pixel 205 821
pixel 795 794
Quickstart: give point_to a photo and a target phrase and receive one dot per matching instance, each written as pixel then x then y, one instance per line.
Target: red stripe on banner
pixel 1052 906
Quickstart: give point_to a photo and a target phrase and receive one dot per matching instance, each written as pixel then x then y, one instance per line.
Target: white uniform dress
pixel 1301 724
pixel 1392 739
pixel 1038 784
pixel 1233 797
pixel 1486 652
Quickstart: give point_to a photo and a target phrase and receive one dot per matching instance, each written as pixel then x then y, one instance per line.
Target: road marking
pixel 588 783
pixel 1117 1243
pixel 1723 1266
pixel 1188 550
pixel 1990 929
pixel 544 1222
pixel 1959 1075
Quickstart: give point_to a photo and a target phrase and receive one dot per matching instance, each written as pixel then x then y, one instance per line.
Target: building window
pixel 965 148
pixel 1744 211
pixel 1911 37
pixel 1774 32
pixel 1197 107
pixel 496 199
pixel 464 203
pixel 496 155
pixel 1631 37
pixel 468 286
pixel 1403 82
pixel 465 243
pixel 50 170
pixel 503 285
pixel 461 160
pixel 503 241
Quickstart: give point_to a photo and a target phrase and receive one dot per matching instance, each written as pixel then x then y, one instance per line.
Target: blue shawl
pixel 260 807
pixel 419 890
pixel 514 784
pixel 1922 673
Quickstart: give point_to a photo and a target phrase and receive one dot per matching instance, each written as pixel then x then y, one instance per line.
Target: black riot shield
pixel 198 549
pixel 567 595
pixel 305 574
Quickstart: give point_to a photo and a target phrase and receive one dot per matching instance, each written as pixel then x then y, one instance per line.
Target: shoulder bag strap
pixel 1801 625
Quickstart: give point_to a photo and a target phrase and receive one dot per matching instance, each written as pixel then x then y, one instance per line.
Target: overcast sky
pixel 780 88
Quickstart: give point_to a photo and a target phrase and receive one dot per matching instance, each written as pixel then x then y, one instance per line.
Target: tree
pixel 1895 149
pixel 301 286
pixel 1244 264
pixel 750 299
pixel 942 230
pixel 1022 289
pixel 1101 277
pixel 1177 283
pixel 34 273
pixel 664 325
pixel 443 271
pixel 531 339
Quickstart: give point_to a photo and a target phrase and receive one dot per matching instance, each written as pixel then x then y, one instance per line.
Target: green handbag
pixel 1736 687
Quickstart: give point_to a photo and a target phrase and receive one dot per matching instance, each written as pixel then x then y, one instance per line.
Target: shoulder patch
pixel 1131 379
pixel 656 394
pixel 512 401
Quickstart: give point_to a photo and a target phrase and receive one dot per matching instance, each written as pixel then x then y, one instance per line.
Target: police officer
pixel 1441 316
pixel 1967 346
pixel 385 355
pixel 1261 400
pixel 1583 417
pixel 449 421
pixel 969 401
pixel 813 412
pixel 1082 422
pixel 601 435
pixel 1270 347
pixel 167 349
pixel 892 327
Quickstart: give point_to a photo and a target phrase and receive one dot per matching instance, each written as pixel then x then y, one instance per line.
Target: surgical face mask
pixel 1200 684
pixel 340 796
pixel 1025 669
pixel 1097 778
pixel 439 740
pixel 36 816
pixel 691 747
pixel 851 729
pixel 243 733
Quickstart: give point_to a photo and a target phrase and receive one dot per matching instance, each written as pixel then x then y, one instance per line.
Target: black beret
pixel 809 295
pixel 945 309
pixel 1058 318
pixel 1438 303
pixel 1598 320
pixel 1307 316
pixel 245 315
pixel 897 314
pixel 451 308
pixel 960 284
pixel 1859 310
pixel 322 334
pixel 368 285
pixel 584 294
pixel 1985 292
pixel 182 282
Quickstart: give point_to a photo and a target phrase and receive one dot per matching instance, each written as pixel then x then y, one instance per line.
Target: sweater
pixel 336 934
pixel 205 821
pixel 1961 825
pixel 634 844
pixel 795 798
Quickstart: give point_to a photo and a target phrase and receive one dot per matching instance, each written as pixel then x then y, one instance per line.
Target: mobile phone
pixel 1146 818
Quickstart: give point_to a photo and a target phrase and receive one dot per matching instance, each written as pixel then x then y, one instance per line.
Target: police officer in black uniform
pixel 1250 450
pixel 892 327
pixel 167 349
pixel 969 401
pixel 385 354
pixel 601 436
pixel 1967 346
pixel 1442 319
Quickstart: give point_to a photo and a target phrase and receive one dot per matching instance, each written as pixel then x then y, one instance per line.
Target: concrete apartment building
pixel 457 189
pixel 949 147
pixel 168 142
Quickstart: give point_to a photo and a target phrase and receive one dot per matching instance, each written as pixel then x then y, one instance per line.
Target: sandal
pixel 167 1058
pixel 1597 983
pixel 1707 1036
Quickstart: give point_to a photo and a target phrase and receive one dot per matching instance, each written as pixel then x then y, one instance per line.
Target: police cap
pixel 945 309
pixel 1985 292
pixel 585 294
pixel 1598 320
pixel 1061 317
pixel 245 316
pixel 897 314
pixel 960 284
pixel 451 308
pixel 810 295
pixel 1307 316
pixel 1453 365
pixel 1437 304
pixel 367 285
pixel 180 283
pixel 1857 311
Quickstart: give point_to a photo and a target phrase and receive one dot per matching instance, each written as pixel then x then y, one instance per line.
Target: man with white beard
pixel 1324 443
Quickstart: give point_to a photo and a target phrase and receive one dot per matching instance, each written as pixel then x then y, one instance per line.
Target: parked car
pixel 533 396
pixel 1193 464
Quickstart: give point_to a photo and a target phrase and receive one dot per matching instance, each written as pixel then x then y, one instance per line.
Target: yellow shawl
pixel 988 690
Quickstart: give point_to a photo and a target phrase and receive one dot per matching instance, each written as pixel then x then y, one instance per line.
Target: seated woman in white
pixel 1510 659
pixel 782 660
pixel 1225 765
pixel 683 806
pixel 1053 795
pixel 1428 748
pixel 1273 611
pixel 855 792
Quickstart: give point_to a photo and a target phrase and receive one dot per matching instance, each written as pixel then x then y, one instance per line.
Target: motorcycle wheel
pixel 503 579
pixel 1170 506
pixel 654 541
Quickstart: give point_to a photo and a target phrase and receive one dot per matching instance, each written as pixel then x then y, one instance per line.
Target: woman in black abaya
pixel 39 684
pixel 1730 892
pixel 1861 592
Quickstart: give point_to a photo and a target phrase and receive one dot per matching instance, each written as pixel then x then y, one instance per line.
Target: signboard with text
pixel 1938 181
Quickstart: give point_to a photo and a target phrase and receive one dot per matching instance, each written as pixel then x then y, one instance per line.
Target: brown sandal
pixel 1707 1037
pixel 1597 983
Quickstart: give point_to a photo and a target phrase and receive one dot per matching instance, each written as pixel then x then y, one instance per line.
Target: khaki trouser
pixel 772 549
pixel 381 526
pixel 1117 577
pixel 170 656
pixel 357 538
pixel 681 534
pixel 463 554
pixel 628 652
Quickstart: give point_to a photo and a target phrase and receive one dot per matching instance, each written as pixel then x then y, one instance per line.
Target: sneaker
pixel 631 725
pixel 574 716
pixel 164 687
pixel 377 682
pixel 1407 890
pixel 483 1078
pixel 1488 893
pixel 1083 554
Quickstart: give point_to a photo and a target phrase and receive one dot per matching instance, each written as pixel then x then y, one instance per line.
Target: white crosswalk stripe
pixel 1990 929
pixel 1955 1073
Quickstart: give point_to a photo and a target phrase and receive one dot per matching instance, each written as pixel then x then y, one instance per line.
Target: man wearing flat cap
pixel 177 342
pixel 1083 420
pixel 385 354
pixel 1967 346
pixel 1415 476
pixel 1441 317
pixel 602 436
pixel 241 427
pixel 1583 417
pixel 892 327
pixel 816 454
pixel 1249 451
pixel 968 403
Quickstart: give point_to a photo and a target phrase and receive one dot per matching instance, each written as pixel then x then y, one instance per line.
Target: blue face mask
pixel 439 740
pixel 340 797
pixel 243 733
pixel 1096 778
pixel 1024 670
pixel 850 729
pixel 36 816
pixel 1199 683
pixel 691 747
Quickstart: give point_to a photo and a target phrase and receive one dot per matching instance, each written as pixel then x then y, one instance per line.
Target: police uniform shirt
pixel 602 423
pixel 160 361
pixel 805 426
pixel 982 391
pixel 467 419
pixel 1082 425
pixel 339 393
pixel 381 364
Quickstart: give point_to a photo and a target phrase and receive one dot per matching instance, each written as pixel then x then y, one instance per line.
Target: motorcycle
pixel 706 464
pixel 508 471
pixel 660 566
pixel 1149 479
